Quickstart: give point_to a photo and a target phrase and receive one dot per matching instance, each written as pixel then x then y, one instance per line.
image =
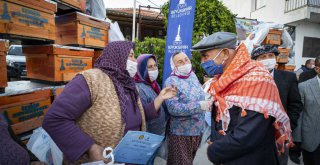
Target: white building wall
pixel 304 29
pixel 274 11
pixel 240 7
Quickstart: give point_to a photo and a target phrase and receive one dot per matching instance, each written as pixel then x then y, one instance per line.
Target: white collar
pixel 272 73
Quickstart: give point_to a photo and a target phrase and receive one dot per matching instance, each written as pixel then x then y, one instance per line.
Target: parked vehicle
pixel 16 63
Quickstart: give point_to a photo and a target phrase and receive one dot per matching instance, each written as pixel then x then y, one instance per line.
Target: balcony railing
pixel 297 4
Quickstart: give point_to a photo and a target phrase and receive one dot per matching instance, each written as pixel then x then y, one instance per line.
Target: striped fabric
pixel 249 85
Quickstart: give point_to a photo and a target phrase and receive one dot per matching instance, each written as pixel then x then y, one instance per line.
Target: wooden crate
pixel 57 91
pixel 97 54
pixel 4 45
pixel 33 19
pixel 21 108
pixel 289 68
pixel 56 63
pixel 273 37
pixel 77 4
pixel 283 57
pixel 80 29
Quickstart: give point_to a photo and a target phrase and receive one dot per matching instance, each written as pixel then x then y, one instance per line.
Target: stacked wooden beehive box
pixel 59 41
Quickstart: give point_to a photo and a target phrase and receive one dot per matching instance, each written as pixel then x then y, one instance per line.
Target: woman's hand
pixel 95 154
pixel 168 92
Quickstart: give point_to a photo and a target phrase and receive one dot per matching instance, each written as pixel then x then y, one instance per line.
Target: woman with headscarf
pixel 149 90
pixel 98 107
pixel 186 111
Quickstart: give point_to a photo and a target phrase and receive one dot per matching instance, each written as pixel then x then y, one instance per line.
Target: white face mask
pixel 269 63
pixel 312 66
pixel 153 74
pixel 184 70
pixel 132 67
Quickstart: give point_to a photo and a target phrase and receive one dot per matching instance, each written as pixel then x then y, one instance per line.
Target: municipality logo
pixel 182 9
pixel 177 44
pixel 182 3
pixel 178 37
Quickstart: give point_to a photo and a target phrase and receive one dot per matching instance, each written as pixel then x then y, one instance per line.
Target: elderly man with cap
pixel 249 123
pixel 287 84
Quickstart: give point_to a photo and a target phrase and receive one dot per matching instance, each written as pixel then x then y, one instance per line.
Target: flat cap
pixel 216 41
pixel 264 49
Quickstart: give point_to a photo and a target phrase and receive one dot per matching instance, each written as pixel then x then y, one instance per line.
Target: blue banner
pixel 179 31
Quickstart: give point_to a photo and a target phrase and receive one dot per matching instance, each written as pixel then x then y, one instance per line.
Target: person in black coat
pixel 307 75
pixel 287 84
pixel 246 105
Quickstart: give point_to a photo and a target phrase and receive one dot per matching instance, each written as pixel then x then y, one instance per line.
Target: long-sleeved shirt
pixel 60 120
pixel 147 96
pixel 10 151
pixel 187 118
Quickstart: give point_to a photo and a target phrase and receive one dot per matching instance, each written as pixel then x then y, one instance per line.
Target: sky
pixel 129 3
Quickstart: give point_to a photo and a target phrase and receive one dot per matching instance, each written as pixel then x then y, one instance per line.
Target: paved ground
pixel 201 159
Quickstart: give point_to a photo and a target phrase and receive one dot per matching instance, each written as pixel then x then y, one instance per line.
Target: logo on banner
pixel 182 3
pixel 181 10
pixel 177 44
pixel 178 41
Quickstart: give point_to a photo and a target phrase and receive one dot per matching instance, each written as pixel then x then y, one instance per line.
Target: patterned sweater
pixel 187 118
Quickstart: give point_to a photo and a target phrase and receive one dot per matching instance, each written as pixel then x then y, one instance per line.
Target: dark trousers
pixel 296 150
pixel 311 158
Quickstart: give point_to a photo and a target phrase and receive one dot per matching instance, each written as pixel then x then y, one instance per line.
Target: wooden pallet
pixel 32 19
pixel 80 29
pixel 56 64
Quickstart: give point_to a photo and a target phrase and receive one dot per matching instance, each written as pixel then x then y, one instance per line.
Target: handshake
pixel 206 105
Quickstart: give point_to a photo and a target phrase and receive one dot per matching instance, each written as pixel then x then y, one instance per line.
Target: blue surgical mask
pixel 211 68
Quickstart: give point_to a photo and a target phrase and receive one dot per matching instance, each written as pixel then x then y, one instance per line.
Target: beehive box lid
pixel 83 19
pixel 58 50
pixel 41 5
pixel 22 87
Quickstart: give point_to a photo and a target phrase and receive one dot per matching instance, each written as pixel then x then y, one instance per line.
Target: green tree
pixel 211 16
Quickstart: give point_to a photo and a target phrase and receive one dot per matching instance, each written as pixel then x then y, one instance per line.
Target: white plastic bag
pixel 259 34
pixel 115 33
pixel 109 156
pixel 286 39
pixel 43 147
pixel 163 150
